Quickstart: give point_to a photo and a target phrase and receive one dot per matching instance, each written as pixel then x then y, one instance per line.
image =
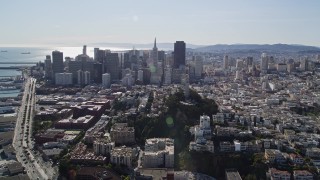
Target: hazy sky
pixel 77 22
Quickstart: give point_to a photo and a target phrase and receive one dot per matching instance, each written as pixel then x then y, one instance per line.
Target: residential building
pixel 120 133
pixel 122 156
pixel 302 175
pixel 102 146
pixel 276 174
pixel 159 152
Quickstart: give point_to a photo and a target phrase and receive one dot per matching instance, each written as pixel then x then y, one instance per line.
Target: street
pixel 34 165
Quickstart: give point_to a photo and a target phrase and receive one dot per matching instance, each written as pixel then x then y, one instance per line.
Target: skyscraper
pixel 179 54
pixel 198 67
pixel 57 62
pixel 48 67
pixel 84 50
pixel 264 62
pixel 225 62
pixel 155 53
pixel 154 68
pixel 112 65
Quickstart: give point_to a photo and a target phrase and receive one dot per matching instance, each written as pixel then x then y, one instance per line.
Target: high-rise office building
pixel 97 73
pixel 74 67
pixel 48 67
pixel 198 67
pixel 80 77
pixel 239 64
pixel 112 66
pixel 154 54
pixel 87 77
pixel 264 62
pixel 83 77
pixel 84 50
pixel 225 62
pixel 57 62
pixel 154 68
pixel 140 75
pixel 63 79
pixel 179 54
pixel 95 53
pixel 249 61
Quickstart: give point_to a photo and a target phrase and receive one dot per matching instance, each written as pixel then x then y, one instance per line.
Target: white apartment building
pixel 122 156
pixel 102 147
pixel 158 152
pixel 120 133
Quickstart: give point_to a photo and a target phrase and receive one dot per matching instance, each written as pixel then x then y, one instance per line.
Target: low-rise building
pixel 84 122
pixel 50 135
pixel 313 152
pixel 276 174
pixel 232 174
pixel 296 159
pixel 302 175
pixel 208 146
pixel 274 155
pixel 15 168
pixel 226 146
pixel 81 155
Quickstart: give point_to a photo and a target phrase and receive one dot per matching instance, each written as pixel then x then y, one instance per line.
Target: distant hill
pixel 161 46
pixel 224 48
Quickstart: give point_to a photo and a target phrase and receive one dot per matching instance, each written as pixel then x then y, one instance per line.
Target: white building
pixel 122 156
pixel 102 147
pixel 87 77
pixel 106 80
pixel 63 78
pixel 80 77
pixel 238 75
pixel 158 152
pixel 205 122
pixel 202 134
pixel 140 75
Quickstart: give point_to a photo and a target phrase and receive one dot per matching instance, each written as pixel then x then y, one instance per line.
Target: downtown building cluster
pixel 127 68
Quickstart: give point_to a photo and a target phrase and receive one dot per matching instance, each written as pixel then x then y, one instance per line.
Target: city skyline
pixel 59 23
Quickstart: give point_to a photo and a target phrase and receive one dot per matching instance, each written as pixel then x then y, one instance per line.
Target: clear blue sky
pixel 47 22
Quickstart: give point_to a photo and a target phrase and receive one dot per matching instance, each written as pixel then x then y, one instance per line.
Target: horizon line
pixel 129 43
